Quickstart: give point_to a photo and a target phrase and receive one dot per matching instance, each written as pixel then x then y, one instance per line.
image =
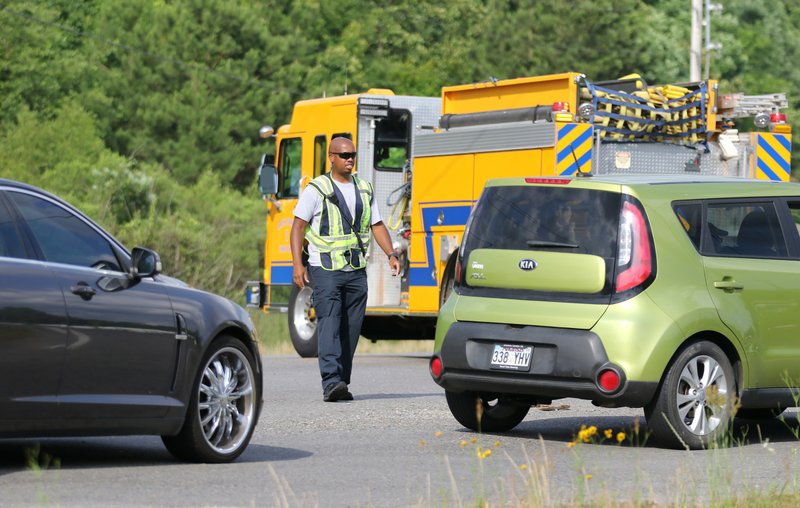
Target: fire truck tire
pixel 303 321
pixel 448 277
pixel 760 413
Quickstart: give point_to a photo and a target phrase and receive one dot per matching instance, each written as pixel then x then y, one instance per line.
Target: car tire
pixel 303 321
pixel 694 405
pixel 760 413
pixel 223 408
pixel 499 415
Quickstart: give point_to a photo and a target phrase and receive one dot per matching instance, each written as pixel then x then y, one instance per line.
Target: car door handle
pixel 83 290
pixel 728 285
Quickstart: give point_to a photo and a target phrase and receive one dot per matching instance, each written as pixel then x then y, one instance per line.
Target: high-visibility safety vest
pixel 338 244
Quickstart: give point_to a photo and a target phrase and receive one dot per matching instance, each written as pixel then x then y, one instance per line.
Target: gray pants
pixel 340 299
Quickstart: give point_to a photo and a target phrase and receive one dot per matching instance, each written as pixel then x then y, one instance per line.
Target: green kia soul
pixel 680 295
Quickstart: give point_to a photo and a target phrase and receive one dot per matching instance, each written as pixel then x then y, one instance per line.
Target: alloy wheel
pixel 226 404
pixel 702 395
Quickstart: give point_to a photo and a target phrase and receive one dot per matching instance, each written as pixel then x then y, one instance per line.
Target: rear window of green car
pixel 517 217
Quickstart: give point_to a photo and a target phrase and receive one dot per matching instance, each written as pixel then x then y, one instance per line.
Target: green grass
pixel 530 482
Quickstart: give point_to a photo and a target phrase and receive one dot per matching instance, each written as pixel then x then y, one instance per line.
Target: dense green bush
pixel 208 233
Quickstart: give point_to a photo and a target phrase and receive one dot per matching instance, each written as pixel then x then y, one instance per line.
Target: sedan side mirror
pixel 144 263
pixel 267 176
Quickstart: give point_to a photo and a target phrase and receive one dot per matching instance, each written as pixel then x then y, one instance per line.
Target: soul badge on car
pixel 477 266
pixel 527 264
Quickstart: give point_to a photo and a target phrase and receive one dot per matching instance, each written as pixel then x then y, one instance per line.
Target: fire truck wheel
pixel 303 321
pixel 448 278
pixel 760 413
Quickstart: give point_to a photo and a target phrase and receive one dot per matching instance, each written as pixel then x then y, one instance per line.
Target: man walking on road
pixel 335 213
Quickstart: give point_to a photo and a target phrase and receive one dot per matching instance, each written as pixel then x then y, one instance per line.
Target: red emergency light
pixel 777 118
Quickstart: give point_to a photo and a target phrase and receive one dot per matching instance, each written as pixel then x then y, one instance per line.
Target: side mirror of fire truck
pixel 267 176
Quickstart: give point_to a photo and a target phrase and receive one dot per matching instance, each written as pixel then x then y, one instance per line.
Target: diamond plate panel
pixel 661 158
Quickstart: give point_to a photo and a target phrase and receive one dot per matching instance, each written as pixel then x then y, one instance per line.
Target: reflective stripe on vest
pixel 333 237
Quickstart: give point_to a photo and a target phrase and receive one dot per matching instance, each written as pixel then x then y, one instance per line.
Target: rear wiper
pixel 557 245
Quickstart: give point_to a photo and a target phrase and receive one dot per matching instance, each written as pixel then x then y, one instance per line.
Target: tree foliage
pixel 145 113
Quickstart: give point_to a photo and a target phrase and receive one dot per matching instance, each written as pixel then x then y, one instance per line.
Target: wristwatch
pixel 393 255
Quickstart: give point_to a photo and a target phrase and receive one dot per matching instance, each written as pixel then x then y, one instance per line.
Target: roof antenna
pixel 580 173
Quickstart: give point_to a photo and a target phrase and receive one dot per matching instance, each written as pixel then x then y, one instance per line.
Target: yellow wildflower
pixel 482 454
pixel 524 467
pixel 462 444
pixel 438 433
pixel 473 440
pixel 422 442
pixel 497 444
pixel 570 444
pixel 588 477
pixel 609 433
pixel 620 437
pixel 586 434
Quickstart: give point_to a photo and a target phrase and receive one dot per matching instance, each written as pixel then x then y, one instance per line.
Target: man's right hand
pixel 299 271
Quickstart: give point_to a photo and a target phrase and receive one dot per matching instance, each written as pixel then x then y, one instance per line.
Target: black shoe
pixel 335 391
pixel 347 396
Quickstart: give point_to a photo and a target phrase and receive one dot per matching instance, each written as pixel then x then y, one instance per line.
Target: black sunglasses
pixel 345 155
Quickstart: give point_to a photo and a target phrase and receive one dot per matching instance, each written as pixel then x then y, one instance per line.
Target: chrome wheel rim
pixel 702 395
pixel 226 400
pixel 304 320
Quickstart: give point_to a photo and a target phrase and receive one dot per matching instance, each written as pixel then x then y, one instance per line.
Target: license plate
pixel 511 357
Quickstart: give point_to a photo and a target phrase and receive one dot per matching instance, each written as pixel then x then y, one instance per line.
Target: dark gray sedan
pixel 94 340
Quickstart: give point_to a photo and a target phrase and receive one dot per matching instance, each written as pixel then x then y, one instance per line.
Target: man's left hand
pixel 395 265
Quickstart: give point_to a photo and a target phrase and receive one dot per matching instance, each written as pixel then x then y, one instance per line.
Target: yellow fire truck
pixel 428 159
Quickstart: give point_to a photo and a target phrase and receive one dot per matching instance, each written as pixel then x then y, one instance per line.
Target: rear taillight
pixel 436 367
pixel 560 106
pixel 608 380
pixel 634 257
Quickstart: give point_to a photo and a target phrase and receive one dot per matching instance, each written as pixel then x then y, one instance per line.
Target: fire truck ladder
pixel 739 105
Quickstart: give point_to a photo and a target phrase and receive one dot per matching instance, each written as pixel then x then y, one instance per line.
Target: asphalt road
pixel 396 444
